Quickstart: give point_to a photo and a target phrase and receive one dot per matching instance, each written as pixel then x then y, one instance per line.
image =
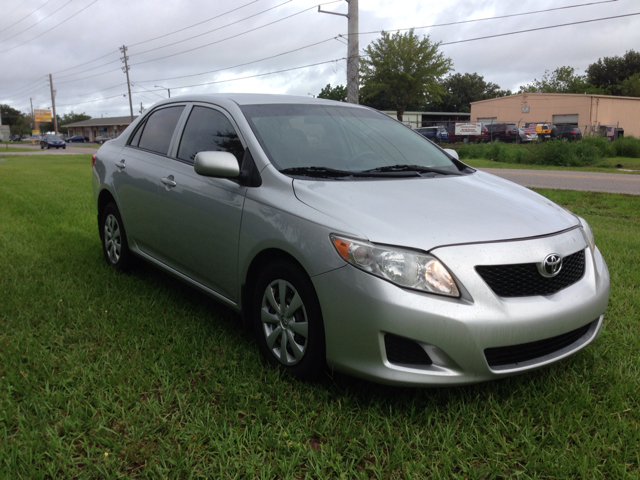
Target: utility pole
pixel 53 105
pixel 353 52
pixel 125 69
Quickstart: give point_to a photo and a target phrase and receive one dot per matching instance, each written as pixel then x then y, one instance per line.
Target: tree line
pixel 403 72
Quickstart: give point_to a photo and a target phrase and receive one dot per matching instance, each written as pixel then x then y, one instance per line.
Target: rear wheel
pixel 114 239
pixel 288 321
pixel 518 139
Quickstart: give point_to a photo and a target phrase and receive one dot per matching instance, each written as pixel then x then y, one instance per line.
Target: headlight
pixel 404 268
pixel 588 234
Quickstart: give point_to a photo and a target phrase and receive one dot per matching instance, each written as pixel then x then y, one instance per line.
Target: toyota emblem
pixel 550 266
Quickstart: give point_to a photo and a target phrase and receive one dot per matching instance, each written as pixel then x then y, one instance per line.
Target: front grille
pixel 524 280
pixel 514 354
pixel 402 351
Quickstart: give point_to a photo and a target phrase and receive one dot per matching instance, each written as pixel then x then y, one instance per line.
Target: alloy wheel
pixel 284 322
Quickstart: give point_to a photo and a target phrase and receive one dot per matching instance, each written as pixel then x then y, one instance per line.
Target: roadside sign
pixel 468 128
pixel 42 115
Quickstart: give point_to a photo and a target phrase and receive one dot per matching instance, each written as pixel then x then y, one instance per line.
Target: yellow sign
pixel 42 115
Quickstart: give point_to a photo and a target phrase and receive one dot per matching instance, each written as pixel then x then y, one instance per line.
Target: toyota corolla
pixel 348 241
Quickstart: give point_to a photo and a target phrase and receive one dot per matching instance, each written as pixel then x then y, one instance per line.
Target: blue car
pixel 435 134
pixel 52 141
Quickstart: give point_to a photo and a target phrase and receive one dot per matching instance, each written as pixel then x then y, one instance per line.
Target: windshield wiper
pixel 318 172
pixel 411 168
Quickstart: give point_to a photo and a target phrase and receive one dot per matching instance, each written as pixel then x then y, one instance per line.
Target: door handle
pixel 168 181
pixel 120 165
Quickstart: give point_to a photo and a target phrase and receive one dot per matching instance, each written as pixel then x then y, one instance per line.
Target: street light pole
pixel 167 89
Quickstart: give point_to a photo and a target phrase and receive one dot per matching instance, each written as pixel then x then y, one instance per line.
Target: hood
pixel 425 213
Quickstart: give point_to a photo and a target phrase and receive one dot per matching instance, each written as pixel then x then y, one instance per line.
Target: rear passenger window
pixel 159 129
pixel 208 130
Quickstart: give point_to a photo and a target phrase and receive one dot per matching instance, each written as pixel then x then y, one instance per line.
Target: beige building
pixel 108 126
pixel 589 112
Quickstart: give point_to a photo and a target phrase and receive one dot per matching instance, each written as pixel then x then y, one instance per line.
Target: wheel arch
pixel 259 262
pixel 104 198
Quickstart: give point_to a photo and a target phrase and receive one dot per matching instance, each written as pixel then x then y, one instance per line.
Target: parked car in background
pixel 544 131
pixel 437 134
pixel 503 132
pixel 52 141
pixel 77 139
pixel 102 138
pixel 347 240
pixel 453 138
pixel 566 133
pixel 14 138
pixel 525 137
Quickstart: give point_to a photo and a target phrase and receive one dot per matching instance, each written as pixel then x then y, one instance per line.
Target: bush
pixel 604 147
pixel 626 147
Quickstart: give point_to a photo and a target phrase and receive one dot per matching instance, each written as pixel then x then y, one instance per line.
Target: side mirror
pixel 216 164
pixel 452 152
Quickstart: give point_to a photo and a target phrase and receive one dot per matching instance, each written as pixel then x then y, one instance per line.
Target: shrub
pixel 603 146
pixel 626 147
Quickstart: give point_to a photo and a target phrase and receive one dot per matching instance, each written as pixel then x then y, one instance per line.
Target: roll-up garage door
pixel 566 119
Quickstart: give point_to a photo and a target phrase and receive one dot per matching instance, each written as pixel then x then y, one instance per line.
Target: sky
pixel 278 46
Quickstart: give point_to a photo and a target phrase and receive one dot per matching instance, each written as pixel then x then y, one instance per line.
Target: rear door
pixel 138 174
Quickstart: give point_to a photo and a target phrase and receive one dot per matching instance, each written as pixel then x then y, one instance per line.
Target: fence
pixel 611 132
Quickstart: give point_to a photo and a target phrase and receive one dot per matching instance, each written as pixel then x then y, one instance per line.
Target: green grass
pixel 104 375
pixel 608 165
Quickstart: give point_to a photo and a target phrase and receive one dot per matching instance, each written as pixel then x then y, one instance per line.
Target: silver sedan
pixel 348 241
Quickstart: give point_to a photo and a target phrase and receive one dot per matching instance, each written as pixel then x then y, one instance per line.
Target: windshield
pixel 53 137
pixel 340 138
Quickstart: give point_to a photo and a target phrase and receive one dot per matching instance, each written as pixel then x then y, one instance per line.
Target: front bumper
pixel 360 309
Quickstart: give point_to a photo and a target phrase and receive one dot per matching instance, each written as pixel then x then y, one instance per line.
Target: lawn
pixel 138 376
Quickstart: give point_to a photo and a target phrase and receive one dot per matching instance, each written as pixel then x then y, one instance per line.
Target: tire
pixel 114 239
pixel 64 148
pixel 564 140
pixel 301 330
pixel 41 147
pixel 465 140
pixel 48 147
pixel 518 139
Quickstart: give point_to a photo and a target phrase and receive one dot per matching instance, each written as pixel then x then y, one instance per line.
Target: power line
pixel 55 26
pixel 17 7
pixel 214 30
pixel 86 63
pixel 194 25
pixel 144 41
pixel 491 18
pixel 39 21
pixel 239 65
pixel 13 24
pixel 233 36
pixel 540 28
pixel 140 53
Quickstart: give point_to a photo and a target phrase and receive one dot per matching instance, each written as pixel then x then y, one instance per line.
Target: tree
pixel 338 93
pixel 608 73
pixel 630 87
pixel 72 117
pixel 9 115
pixel 561 80
pixel 405 68
pixel 22 127
pixel 462 89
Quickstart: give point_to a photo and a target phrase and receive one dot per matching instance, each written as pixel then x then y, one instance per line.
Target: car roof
pixel 258 99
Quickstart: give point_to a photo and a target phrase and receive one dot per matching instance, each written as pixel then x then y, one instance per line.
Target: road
pixel 567 180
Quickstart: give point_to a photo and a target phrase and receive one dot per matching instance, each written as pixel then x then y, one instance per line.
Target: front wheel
pixel 114 239
pixel 288 321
